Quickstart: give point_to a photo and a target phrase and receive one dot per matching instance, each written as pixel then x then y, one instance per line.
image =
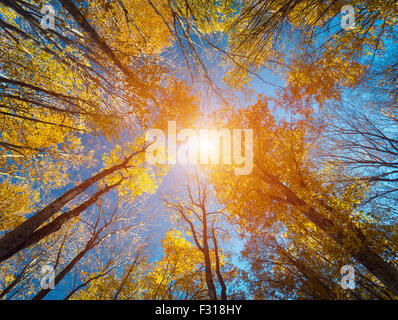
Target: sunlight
pixel 207 146
pixel 198 150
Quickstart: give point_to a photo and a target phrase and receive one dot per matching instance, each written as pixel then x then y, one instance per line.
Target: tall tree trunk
pixel 11 286
pixel 209 276
pixel 384 271
pixel 43 292
pixel 322 291
pixel 14 240
pixel 218 271
pixel 87 28
pixel 58 222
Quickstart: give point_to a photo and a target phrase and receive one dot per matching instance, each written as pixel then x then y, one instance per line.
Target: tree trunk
pixel 218 271
pixel 209 276
pixel 43 292
pixel 14 240
pixel 385 272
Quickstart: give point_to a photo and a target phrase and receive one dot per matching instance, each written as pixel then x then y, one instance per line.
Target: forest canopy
pixel 194 150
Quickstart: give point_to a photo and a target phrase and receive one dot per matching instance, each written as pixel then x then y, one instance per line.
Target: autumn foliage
pixel 78 194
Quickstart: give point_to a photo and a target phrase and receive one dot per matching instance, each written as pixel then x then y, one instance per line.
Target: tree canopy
pixel 303 93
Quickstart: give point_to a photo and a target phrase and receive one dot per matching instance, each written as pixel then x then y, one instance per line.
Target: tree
pixel 77 98
pixel 58 84
pixel 362 139
pixel 303 265
pixel 177 275
pixel 322 52
pixel 18 274
pixel 106 225
pixel 288 186
pixel 202 226
pixel 29 232
pixel 78 89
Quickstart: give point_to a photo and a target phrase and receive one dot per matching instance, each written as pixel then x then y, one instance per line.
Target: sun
pixel 207 146
pixel 199 147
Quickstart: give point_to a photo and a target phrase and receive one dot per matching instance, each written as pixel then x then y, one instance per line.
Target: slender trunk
pixel 322 291
pixel 43 292
pixel 12 284
pixel 209 276
pixel 84 284
pixel 384 271
pixel 14 240
pixel 218 271
pixel 125 277
pixel 58 222
pixel 85 25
